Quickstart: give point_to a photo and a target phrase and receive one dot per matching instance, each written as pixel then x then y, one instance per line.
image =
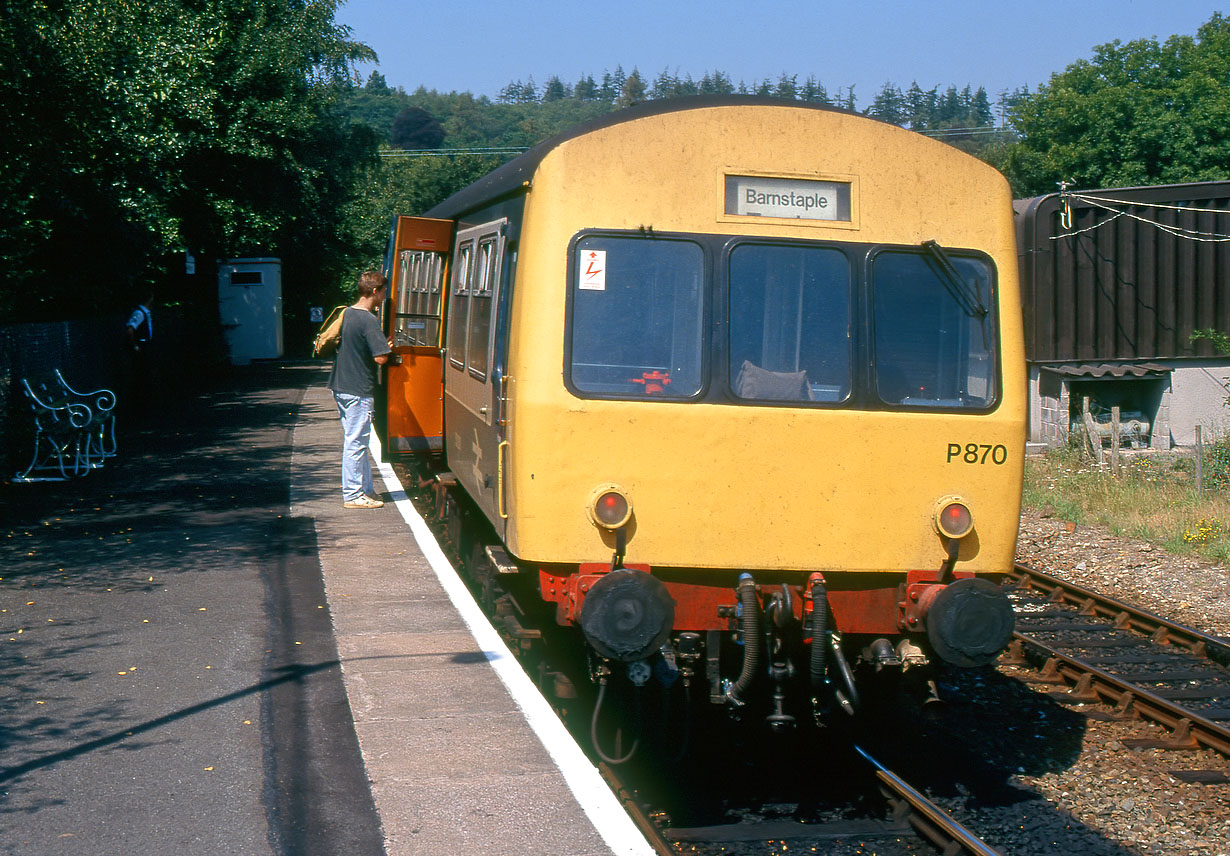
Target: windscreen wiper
pixel 961 290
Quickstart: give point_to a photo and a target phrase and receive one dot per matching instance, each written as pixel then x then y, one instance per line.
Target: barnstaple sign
pixel 790 198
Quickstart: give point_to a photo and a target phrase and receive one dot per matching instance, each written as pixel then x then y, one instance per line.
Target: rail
pixel 1091 684
pixel 1088 683
pixel 1124 615
pixel 927 818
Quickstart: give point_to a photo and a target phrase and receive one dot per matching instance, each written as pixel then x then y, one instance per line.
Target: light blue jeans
pixel 356 413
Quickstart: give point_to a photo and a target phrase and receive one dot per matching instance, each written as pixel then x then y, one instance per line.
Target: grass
pixel 1154 498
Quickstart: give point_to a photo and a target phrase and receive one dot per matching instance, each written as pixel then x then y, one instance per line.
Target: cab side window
pixel 637 317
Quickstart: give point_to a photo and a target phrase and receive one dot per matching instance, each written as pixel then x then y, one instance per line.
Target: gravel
pixel 1185 590
pixel 1102 797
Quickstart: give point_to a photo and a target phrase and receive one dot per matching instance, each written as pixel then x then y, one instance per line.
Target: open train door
pixel 416 266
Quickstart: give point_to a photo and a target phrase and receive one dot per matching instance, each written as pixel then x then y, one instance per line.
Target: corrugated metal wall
pixel 1132 274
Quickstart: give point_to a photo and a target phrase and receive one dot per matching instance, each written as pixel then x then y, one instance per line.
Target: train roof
pixel 510 178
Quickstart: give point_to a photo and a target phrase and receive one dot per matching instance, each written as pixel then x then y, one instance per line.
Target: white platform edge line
pixel 597 800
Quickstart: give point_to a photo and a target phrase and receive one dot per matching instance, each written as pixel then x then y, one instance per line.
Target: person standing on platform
pixel 138 339
pixel 363 347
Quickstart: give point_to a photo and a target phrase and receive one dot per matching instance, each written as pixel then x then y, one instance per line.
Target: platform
pixel 451 732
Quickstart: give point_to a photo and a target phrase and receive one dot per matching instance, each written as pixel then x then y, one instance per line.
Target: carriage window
pixel 459 310
pixel 434 275
pixel 790 323
pixel 637 317
pixel 480 308
pixel 934 338
pixel 417 315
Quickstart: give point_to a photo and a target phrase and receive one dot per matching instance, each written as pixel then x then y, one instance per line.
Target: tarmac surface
pixel 202 652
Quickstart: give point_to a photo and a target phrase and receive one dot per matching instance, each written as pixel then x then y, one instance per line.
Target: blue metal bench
pixel 102 405
pixel 74 432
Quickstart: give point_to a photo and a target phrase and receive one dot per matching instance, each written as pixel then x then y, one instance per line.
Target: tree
pixel 716 83
pixel 664 85
pixel 1136 113
pixel 919 107
pixel 415 128
pixel 787 87
pixel 633 90
pixel 586 89
pixel 612 85
pixel 889 105
pixel 686 86
pixel 135 128
pixel 554 90
pixel 948 110
pixel 511 94
pixel 980 109
pixel 813 91
pixel 1008 101
pixel 402 186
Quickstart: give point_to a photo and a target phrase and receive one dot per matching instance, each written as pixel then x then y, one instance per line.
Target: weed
pixel 1207 531
pixel 1217 465
pixel 1154 498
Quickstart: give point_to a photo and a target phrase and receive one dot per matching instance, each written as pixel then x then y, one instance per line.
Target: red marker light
pixel 955 520
pixel 610 508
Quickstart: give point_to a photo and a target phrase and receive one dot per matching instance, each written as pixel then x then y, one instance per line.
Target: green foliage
pixel 523 115
pixel 402 186
pixel 1219 340
pixel 471 122
pixel 931 110
pixel 632 91
pixel 1138 113
pixel 415 128
pixel 135 128
pixel 1216 467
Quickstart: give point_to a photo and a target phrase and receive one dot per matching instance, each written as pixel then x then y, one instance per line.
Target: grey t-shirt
pixel 354 371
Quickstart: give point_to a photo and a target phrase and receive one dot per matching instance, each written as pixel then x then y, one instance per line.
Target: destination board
pixel 788 198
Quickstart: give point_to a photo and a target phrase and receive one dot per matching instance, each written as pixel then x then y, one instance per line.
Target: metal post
pixel 1199 463
pixel 1114 440
pixel 1095 442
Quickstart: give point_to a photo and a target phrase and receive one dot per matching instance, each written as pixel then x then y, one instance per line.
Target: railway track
pixel 1106 651
pixel 1098 649
pixel 910 814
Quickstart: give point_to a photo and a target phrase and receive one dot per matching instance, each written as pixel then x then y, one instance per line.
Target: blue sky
pixel 481 45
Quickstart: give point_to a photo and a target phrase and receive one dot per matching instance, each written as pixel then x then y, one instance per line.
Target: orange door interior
pixel 417 293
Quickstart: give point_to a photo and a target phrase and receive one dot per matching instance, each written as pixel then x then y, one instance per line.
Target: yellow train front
pixel 739 386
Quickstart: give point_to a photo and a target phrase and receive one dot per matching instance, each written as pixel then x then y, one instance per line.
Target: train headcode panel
pixel 731 390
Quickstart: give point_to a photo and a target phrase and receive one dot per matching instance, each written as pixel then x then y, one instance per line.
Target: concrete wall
pixel 1199 399
pixel 1191 394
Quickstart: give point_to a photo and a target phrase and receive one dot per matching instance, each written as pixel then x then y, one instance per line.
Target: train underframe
pixel 768 644
pixel 785 648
